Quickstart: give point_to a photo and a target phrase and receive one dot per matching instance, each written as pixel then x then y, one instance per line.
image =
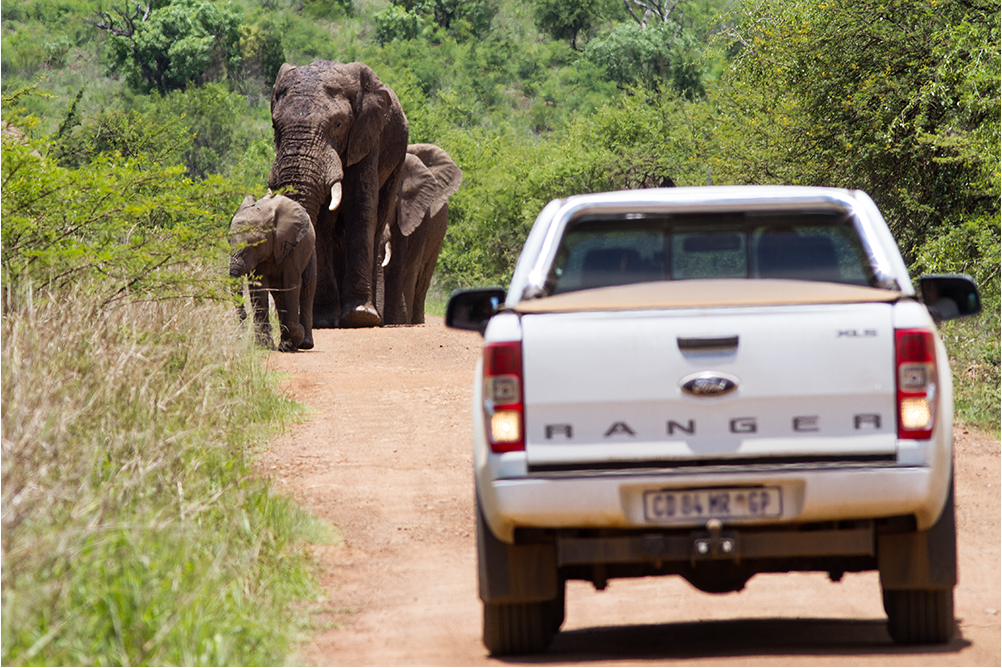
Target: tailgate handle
pixel 697 344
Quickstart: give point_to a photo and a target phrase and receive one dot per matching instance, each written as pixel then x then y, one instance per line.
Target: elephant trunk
pixel 313 181
pixel 238 268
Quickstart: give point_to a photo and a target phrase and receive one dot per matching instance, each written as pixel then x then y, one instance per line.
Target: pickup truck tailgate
pixel 691 387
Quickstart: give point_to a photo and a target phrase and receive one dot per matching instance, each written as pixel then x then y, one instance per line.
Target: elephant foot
pixel 307 343
pixel 287 347
pixel 364 315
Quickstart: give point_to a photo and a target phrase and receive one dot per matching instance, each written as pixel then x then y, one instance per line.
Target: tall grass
pixel 134 531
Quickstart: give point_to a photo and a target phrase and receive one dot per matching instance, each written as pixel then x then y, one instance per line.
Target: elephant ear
pixel 371 106
pixel 291 225
pixel 447 173
pixel 241 225
pixel 418 191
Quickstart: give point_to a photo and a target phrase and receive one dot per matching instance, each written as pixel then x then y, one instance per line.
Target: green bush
pixel 659 57
pixel 393 22
pixel 131 229
pixel 180 44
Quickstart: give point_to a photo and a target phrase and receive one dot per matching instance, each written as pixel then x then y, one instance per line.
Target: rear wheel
pixel 919 616
pixel 518 628
pixel 522 591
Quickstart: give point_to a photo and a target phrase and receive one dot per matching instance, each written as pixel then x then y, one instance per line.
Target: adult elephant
pixel 340 142
pixel 429 178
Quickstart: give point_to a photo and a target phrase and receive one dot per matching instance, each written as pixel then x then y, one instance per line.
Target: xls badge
pixel 708 384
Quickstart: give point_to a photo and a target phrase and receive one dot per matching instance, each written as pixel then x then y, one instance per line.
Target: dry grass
pixel 132 530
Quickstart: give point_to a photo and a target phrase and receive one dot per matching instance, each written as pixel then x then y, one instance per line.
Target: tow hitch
pixel 714 544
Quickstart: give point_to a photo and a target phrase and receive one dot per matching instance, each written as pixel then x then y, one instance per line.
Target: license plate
pixel 698 504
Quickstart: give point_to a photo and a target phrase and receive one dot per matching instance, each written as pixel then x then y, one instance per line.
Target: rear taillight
pixel 503 409
pixel 916 377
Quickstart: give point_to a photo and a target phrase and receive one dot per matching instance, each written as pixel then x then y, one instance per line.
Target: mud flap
pixel 921 559
pixel 514 573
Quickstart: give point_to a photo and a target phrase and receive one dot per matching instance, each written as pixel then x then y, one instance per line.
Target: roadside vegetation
pixel 133 528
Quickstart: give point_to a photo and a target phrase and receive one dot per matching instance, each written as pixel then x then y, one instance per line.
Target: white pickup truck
pixel 712 383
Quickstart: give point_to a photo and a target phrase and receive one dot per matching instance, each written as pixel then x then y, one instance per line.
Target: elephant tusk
pixel 335 196
pixel 386 258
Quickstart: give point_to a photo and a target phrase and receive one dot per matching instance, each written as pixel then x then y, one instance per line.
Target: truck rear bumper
pixel 617 500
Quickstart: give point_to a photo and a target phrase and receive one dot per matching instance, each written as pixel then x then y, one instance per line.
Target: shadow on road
pixel 731 638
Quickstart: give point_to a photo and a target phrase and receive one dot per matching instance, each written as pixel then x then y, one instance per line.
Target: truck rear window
pixel 606 251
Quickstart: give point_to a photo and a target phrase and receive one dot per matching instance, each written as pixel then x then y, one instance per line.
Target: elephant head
pixel 340 141
pixel 273 240
pixel 429 178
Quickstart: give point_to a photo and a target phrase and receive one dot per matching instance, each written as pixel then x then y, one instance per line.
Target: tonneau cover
pixel 699 293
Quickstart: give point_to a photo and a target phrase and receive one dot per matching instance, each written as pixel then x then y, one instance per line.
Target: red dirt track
pixel 385 456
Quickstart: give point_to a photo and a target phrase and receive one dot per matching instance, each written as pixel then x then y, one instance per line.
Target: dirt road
pixel 385 457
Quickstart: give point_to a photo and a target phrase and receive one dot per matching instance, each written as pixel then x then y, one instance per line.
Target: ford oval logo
pixel 708 385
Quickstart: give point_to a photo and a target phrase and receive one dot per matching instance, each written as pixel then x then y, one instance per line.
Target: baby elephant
pixel 274 242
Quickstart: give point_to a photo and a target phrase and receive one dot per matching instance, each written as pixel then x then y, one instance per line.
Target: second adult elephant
pixel 340 142
pixel 429 178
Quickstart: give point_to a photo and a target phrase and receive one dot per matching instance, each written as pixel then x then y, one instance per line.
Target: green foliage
pixel 438 19
pixel 396 23
pixel 219 123
pixel 130 135
pixel 131 227
pixel 661 56
pixel 973 346
pixel 328 10
pixel 261 50
pixel 568 19
pixel 203 129
pixel 182 43
pixel 896 98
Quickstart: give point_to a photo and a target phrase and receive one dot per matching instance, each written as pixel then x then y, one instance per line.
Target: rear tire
pixel 919 616
pixel 518 628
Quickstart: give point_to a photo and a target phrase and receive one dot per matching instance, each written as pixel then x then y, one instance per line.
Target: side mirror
pixel 471 309
pixel 949 296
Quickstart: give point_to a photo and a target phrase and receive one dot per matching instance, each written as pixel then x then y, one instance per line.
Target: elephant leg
pixel 395 308
pixel 358 308
pixel 421 286
pixel 306 296
pixel 326 309
pixel 287 303
pixel 428 258
pixel 412 273
pixel 262 326
pixel 385 227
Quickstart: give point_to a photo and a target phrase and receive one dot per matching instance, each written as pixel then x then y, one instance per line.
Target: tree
pixel 900 98
pixel 660 54
pixel 404 19
pixel 169 48
pixel 662 10
pixel 567 19
pixel 261 50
